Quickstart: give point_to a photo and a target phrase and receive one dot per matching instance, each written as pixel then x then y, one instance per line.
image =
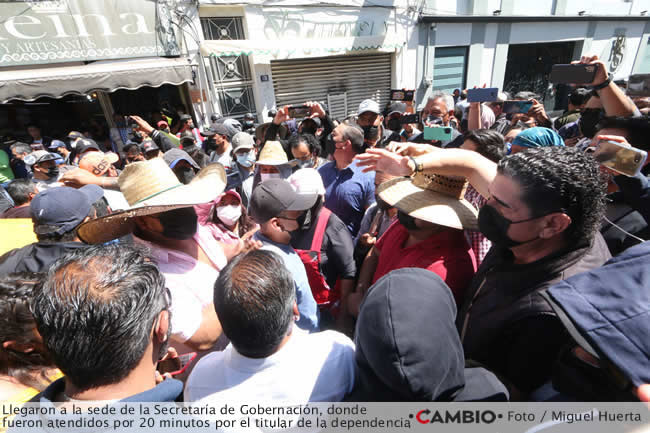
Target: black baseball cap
pixel 274 196
pixel 217 128
pixel 185 117
pixel 64 207
pixel 75 134
pixel 148 145
pixel 85 144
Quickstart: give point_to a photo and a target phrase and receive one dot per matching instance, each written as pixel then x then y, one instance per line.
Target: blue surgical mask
pixel 246 160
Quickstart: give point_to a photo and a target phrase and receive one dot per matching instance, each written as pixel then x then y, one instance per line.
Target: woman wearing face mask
pixel 227 221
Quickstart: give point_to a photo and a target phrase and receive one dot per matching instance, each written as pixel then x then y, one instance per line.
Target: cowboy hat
pixel 151 187
pixel 431 197
pixel 273 154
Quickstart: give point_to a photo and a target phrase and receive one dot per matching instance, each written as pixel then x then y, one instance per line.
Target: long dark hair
pixel 17 324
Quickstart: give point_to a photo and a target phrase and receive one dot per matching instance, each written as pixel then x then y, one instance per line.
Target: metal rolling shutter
pixel 358 77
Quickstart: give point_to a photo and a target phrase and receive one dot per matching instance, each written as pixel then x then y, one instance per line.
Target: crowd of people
pixel 322 259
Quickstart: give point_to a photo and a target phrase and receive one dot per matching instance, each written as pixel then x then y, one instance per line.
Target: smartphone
pixel 573 74
pixel 638 85
pixel 176 366
pixel 299 111
pixel 401 95
pixel 440 133
pixel 619 157
pixel 488 94
pixel 409 118
pixel 513 107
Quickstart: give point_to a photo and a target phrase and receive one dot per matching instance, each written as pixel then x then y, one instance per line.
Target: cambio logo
pixel 425 416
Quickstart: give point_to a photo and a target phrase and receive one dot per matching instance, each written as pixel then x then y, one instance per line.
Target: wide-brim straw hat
pixel 431 197
pixel 151 187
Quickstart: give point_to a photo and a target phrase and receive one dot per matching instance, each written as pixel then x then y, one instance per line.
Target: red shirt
pixel 446 253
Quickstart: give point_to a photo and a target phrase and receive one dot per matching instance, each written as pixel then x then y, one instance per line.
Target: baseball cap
pixel 397 107
pixel 307 181
pixel 316 121
pixel 187 136
pixel 162 124
pixel 97 163
pixel 85 144
pixel 185 117
pixel 38 156
pixel 233 126
pixel 75 134
pixel 369 105
pixel 274 196
pixel 174 155
pixel 217 128
pixel 242 140
pixel 55 144
pixel 64 207
pixel 148 145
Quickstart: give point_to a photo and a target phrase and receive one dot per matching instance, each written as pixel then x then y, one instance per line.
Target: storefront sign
pixel 321 23
pixel 39 32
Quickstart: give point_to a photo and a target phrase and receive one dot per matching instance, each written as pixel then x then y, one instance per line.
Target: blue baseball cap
pixel 64 207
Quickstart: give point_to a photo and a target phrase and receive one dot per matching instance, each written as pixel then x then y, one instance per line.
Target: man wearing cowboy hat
pixel 432 214
pixel 543 215
pixel 161 216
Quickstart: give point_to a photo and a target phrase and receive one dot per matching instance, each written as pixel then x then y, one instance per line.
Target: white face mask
pixel 229 214
pixel 267 176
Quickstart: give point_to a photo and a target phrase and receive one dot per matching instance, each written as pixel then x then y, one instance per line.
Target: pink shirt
pixel 190 281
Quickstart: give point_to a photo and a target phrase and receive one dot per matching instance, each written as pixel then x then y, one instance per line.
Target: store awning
pixel 274 49
pixel 30 84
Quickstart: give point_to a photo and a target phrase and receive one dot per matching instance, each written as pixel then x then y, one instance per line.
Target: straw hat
pixel 151 187
pixel 272 154
pixel 432 197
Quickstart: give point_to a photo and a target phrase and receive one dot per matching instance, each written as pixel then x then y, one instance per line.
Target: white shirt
pixel 308 368
pixel 190 282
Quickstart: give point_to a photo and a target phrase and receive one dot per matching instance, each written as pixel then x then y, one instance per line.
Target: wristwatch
pixel 417 166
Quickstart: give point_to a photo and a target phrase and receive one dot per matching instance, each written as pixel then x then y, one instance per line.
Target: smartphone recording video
pixel 299 111
pixel 626 160
pixel 573 73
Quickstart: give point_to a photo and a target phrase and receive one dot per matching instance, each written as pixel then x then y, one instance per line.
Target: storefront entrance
pixel 529 67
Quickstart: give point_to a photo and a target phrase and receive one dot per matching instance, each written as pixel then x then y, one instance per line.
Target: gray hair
pixel 449 100
pixel 21 148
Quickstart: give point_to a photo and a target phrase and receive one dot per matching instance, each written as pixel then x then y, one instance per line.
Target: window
pixel 231 75
pixel 449 68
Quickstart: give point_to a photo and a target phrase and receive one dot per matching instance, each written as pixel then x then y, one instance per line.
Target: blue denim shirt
pixel 309 316
pixel 348 193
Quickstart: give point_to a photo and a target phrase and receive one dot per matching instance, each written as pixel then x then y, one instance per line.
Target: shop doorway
pixel 529 67
pixel 55 117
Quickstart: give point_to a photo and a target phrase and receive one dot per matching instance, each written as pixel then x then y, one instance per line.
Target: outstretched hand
pixel 385 161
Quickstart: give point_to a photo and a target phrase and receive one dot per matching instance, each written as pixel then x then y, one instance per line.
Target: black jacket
pixel 36 257
pixel 407 347
pixel 506 325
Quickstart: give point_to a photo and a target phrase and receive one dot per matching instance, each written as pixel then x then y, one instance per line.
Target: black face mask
pixel 394 125
pixel 53 172
pixel 185 174
pixel 382 205
pixel 370 132
pixel 179 224
pixel 210 144
pixel 407 221
pixel 588 121
pixel 494 226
